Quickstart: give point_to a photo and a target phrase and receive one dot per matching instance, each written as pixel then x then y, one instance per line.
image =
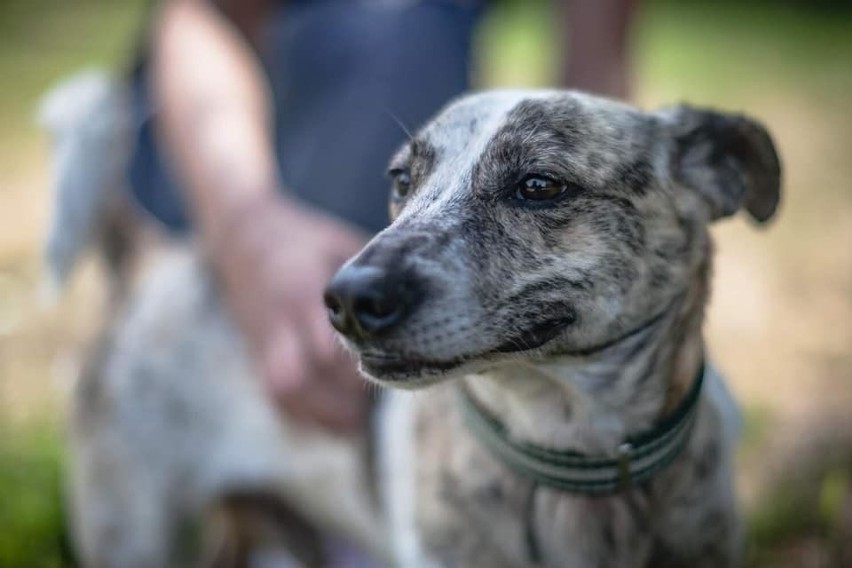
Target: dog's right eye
pixel 401 182
pixel 539 188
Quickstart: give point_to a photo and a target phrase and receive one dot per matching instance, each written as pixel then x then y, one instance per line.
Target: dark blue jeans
pixel 345 75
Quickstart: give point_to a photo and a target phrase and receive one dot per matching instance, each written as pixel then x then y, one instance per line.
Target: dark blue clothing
pixel 345 75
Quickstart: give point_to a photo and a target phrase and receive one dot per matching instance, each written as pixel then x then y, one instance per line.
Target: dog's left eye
pixel 539 188
pixel 401 182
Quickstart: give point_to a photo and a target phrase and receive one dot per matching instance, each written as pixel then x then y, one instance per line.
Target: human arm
pixel 272 255
pixel 598 58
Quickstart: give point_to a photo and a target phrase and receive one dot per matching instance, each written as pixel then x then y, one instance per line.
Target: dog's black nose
pixel 364 301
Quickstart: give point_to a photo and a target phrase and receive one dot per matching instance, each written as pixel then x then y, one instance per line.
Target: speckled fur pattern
pixel 531 308
pixel 576 321
pixel 169 424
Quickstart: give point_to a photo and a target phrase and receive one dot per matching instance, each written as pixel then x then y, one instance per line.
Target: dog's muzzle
pixel 366 302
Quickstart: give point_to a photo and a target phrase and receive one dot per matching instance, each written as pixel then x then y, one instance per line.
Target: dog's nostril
pixel 365 301
pixel 333 303
pixel 375 307
pixel 336 312
pixel 375 313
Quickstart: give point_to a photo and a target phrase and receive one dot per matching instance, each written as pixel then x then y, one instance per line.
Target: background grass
pixel 32 523
pixel 781 313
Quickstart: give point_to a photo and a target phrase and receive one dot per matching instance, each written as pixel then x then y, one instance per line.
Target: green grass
pixel 805 506
pixel 32 520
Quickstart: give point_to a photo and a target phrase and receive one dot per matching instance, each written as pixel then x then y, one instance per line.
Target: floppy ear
pixel 729 159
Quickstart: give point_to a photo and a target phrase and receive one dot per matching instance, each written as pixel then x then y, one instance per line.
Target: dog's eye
pixel 401 182
pixel 539 188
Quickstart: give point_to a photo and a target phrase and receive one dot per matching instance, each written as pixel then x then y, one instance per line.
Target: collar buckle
pixel 623 457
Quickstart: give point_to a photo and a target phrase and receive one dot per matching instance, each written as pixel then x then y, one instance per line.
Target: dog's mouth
pixel 403 370
pixel 414 371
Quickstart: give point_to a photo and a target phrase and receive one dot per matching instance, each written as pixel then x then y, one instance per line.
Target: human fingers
pixel 308 390
pixel 285 368
pixel 340 407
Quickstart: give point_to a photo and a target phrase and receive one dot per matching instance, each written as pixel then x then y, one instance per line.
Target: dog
pixel 542 286
pixel 550 255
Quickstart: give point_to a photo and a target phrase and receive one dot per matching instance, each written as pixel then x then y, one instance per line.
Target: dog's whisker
pixel 401 124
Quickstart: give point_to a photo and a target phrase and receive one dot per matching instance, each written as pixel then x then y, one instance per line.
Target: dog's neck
pixel 592 403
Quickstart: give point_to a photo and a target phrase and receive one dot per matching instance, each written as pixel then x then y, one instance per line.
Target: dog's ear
pixel 729 159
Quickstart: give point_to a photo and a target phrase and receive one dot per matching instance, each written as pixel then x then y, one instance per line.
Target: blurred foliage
pixel 706 52
pixel 807 509
pixel 757 420
pixel 40 40
pixel 32 521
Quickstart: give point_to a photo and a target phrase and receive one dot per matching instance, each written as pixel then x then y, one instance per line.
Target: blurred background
pixel 780 323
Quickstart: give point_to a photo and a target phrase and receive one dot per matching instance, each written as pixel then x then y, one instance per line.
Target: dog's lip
pixel 382 364
pixel 535 337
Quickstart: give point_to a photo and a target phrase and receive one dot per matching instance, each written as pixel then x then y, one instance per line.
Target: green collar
pixel 636 460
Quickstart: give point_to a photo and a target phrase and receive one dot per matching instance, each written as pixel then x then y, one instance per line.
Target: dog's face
pixel 541 223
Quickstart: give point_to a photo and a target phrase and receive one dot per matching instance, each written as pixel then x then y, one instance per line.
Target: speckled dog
pixel 550 253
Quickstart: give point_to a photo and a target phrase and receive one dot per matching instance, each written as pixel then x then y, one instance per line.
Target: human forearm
pixel 598 58
pixel 215 114
pixel 270 256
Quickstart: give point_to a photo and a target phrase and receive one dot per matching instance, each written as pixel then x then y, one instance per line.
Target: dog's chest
pixel 470 511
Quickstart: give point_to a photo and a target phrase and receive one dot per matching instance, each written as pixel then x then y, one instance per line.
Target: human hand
pixel 273 260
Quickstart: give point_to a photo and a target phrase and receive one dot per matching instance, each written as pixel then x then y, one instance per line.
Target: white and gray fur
pixel 88 120
pixel 531 307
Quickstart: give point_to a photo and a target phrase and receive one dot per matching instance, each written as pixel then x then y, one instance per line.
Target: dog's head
pixel 542 223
